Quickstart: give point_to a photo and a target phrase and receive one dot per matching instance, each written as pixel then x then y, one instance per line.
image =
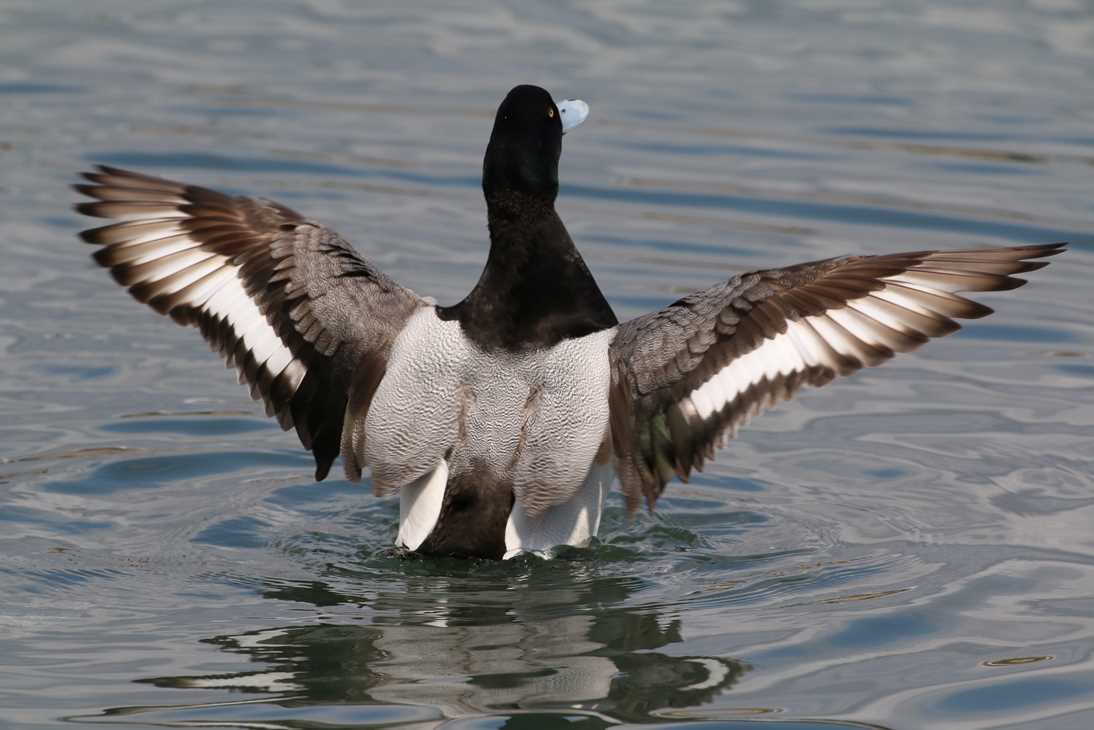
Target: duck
pixel 503 420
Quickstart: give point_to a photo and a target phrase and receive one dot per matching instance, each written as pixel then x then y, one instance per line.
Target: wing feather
pixel 686 378
pixel 285 301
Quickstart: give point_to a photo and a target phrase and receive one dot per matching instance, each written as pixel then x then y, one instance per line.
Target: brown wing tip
pixel 1028 266
pixel 976 310
pixel 86 189
pixel 1049 249
pixel 1024 266
pixel 100 175
pixel 92 209
pixel 1031 251
pixel 94 176
pixel 90 235
pixel 118 172
pixel 1006 283
pixel 115 177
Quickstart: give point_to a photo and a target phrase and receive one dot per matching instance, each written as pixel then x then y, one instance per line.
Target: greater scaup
pixel 502 420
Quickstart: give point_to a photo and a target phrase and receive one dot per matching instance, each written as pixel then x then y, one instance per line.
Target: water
pixel 911 548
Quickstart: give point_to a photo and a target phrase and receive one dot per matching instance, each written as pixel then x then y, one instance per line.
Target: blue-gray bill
pixel 573 113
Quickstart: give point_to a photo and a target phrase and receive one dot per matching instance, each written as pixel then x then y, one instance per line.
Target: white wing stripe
pixel 857 326
pixel 151 250
pixel 909 279
pixel 216 288
pixel 248 323
pixel 142 231
pixel 790 355
pixel 133 212
pixel 755 364
pixel 185 277
pixel 869 307
pixel 893 295
pixel 933 282
pixel 774 356
pixel 727 382
pixel 865 329
pixel 840 341
pixel 162 267
pixel 701 398
pixel 767 361
pixel 278 361
pixel 804 342
pixel 203 289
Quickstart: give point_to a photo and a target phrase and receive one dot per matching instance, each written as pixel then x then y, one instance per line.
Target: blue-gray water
pixel 910 548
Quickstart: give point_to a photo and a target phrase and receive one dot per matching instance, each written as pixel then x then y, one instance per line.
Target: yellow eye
pixel 550 113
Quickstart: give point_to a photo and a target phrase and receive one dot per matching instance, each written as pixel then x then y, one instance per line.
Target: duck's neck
pixel 535 290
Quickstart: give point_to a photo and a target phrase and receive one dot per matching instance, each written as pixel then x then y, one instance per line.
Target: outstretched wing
pixel 306 321
pixel 685 378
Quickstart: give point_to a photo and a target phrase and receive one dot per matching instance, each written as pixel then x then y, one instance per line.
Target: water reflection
pixel 467 641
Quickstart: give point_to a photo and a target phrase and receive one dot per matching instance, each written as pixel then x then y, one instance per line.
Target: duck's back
pixel 468 433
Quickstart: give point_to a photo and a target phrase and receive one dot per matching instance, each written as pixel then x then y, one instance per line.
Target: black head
pixel 525 145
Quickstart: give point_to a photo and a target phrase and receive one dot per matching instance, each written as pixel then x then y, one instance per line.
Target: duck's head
pixel 526 143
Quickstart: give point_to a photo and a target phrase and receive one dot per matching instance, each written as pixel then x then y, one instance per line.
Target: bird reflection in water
pixel 556 637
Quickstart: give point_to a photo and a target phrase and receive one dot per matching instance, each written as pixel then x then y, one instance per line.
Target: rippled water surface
pixel 912 547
